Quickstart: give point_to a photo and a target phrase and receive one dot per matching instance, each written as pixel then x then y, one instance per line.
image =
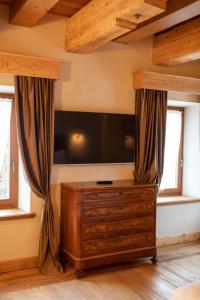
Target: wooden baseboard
pixel 18 264
pixel 178 239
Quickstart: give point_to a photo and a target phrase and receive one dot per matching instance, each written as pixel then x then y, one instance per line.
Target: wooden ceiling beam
pixel 165 82
pixel 95 24
pixel 178 45
pixel 29 12
pixel 176 12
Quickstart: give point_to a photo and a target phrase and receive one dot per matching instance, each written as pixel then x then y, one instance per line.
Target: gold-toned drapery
pixel 151 112
pixel 34 110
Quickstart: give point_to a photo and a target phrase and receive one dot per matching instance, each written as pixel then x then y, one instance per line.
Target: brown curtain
pixel 34 110
pixel 151 111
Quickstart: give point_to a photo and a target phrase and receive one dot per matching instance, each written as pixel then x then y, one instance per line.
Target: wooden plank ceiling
pixel 64 8
pixel 93 23
pixel 68 7
pixel 28 13
pixel 177 11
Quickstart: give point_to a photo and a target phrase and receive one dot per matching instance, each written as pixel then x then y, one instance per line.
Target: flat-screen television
pixel 90 138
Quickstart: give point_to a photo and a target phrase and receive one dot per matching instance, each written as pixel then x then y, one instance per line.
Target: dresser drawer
pixel 118 195
pixel 146 193
pixel 123 242
pixel 102 195
pixel 121 210
pixel 138 225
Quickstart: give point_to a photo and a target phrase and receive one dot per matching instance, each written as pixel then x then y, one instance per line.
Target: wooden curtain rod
pixel 24 65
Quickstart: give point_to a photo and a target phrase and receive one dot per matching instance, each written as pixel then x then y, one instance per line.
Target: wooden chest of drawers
pixel 105 224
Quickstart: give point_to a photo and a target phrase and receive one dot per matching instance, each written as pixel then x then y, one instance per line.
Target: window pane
pixel 5 115
pixel 172 145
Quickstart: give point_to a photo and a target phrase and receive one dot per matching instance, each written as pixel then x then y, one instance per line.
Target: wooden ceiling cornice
pixel 25 65
pixel 166 82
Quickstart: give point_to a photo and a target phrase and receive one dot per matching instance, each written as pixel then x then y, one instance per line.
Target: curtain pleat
pixel 34 111
pixel 151 112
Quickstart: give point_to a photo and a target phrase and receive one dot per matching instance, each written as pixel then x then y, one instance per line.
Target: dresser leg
pixel 154 259
pixel 79 274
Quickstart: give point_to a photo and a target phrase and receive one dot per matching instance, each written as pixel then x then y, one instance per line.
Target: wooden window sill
pixel 15 214
pixel 174 200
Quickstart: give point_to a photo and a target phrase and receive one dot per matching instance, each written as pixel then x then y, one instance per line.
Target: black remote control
pixel 105 182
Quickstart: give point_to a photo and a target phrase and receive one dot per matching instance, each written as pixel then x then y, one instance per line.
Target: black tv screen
pixel 89 138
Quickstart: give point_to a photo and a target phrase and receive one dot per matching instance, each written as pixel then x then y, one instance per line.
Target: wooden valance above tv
pixel 166 82
pixel 33 66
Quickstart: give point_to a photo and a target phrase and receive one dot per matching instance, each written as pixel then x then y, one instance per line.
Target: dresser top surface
pixel 92 185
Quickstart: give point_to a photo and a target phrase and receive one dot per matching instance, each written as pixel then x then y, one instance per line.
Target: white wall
pixel 100 81
pixel 179 219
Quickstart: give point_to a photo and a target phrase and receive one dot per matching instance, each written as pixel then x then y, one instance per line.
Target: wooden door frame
pixel 177 191
pixel 12 202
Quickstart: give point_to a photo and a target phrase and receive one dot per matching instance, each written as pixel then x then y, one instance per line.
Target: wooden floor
pixel 177 266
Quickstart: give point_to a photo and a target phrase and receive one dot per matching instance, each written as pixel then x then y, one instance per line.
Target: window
pixel 8 153
pixel 171 184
